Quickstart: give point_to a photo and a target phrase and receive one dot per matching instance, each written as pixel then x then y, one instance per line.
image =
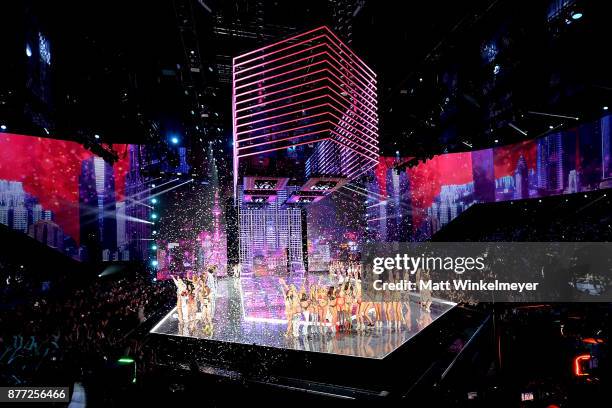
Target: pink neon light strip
pixel 326 104
pixel 265 71
pixel 261 88
pixel 235 162
pixel 333 58
pixel 301 135
pixel 358 138
pixel 308 92
pixel 243 132
pixel 349 51
pixel 243 101
pixel 361 92
pixel 279 107
pixel 371 101
pixel 291 71
pixel 293 54
pixel 358 165
pixel 366 119
pixel 246 139
pixel 279 116
pixel 265 79
pixel 293 87
pixel 239 78
pixel 357 162
pixel 354 129
pixel 375 153
pixel 363 121
pixel 283 147
pixel 340 123
pixel 281 99
pixel 354 142
pixel 373 134
pixel 339 43
pixel 276 44
pixel 337 57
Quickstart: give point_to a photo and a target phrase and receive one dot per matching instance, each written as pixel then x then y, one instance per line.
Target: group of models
pixel 195 297
pixel 317 308
pixel 341 308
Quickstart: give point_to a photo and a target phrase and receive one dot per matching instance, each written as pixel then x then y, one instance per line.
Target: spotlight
pixel 154 262
pixel 174 140
pixel 550 126
pixel 2 127
pixel 605 108
pixel 28 50
pixel 154 247
pixel 97 136
pixel 154 200
pixel 521 131
pixel 154 216
pixel 496 141
pixel 576 15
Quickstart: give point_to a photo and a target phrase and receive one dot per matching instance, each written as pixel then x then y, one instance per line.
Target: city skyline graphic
pixel 61 194
pixel 66 197
pixel 437 191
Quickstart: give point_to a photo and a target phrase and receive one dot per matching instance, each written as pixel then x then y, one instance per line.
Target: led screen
pixel 414 204
pixel 63 195
pixel 437 191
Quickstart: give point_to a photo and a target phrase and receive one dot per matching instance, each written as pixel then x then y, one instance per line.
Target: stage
pixel 250 311
pixel 247 343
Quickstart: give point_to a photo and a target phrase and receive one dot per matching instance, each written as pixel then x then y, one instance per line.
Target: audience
pixel 66 333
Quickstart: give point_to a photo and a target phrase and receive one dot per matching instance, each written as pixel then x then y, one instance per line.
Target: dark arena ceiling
pixel 453 76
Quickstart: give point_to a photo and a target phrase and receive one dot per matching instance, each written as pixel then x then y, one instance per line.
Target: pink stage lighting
pixel 304 90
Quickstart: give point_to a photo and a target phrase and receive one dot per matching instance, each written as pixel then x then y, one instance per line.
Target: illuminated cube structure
pixel 305 122
pixel 309 91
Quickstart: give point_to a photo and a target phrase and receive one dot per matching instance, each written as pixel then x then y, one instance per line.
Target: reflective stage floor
pixel 250 311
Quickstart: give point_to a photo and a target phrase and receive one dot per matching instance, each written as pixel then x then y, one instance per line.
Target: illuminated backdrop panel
pixel 63 195
pixel 442 188
pixel 414 204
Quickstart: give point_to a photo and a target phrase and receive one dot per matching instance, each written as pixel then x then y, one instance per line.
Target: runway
pixel 250 311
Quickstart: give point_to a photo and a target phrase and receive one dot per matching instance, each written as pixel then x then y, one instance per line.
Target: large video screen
pixel 433 193
pixel 413 204
pixel 63 195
